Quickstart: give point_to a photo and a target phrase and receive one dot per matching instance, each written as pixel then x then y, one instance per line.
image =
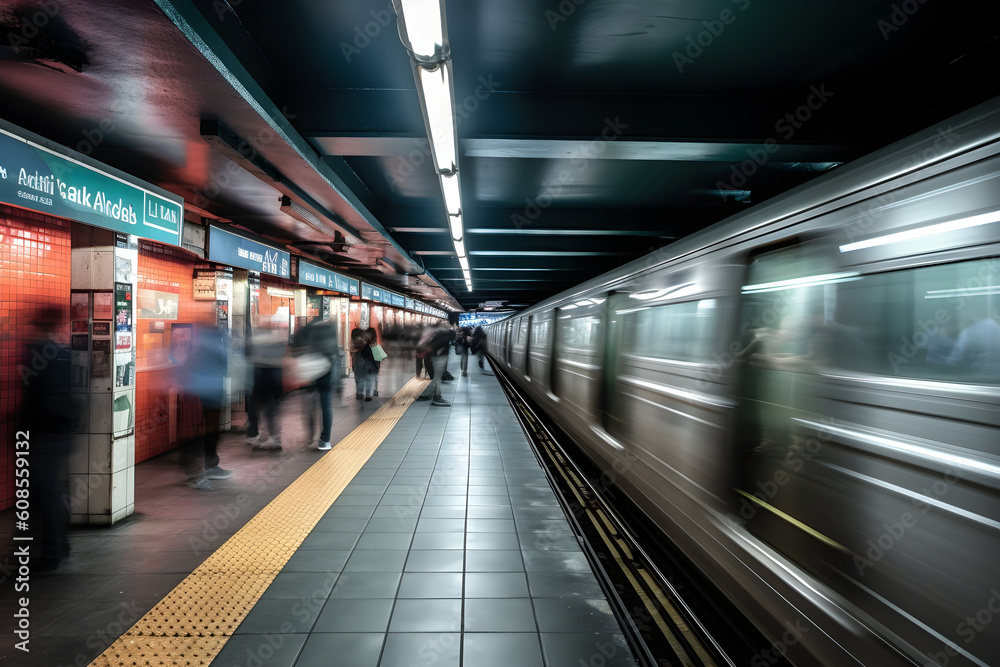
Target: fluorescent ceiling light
pixel 467 275
pixel 923 232
pixel 423 26
pixel 455 222
pixel 807 281
pixel 464 262
pixel 460 249
pixel 436 86
pixel 452 194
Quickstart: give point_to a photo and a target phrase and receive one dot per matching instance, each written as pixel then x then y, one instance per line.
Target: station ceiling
pixel 590 131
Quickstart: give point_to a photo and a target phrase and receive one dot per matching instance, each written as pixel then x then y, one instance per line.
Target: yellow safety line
pixel 193 622
pixel 795 522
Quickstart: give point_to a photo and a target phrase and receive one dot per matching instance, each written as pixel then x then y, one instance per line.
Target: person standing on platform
pixel 319 338
pixel 478 347
pixel 266 351
pixel 462 343
pixel 358 343
pixel 202 378
pixel 366 368
pixel 378 354
pixel 50 416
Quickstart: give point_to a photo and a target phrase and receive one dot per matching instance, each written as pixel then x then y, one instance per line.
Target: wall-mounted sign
pixel 397 300
pixel 204 285
pixel 226 247
pixel 408 303
pixel 371 292
pixel 41 176
pixel 159 304
pixel 317 276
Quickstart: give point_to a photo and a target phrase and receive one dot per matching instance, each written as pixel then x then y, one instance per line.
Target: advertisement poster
pixel 124 370
pixel 100 359
pixel 102 329
pixel 123 307
pixel 159 304
pixel 223 285
pixel 204 285
pixel 81 326
pixel 79 342
pixel 222 308
pixel 103 305
pixel 123 340
pixel 79 306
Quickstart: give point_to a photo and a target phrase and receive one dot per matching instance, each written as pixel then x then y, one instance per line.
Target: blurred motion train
pixel 804 397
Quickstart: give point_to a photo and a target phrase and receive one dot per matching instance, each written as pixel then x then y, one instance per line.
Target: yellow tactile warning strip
pixel 193 622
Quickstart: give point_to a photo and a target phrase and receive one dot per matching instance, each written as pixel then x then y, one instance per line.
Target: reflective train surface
pixel 805 399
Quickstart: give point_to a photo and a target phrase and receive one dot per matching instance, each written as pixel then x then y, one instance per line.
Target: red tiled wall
pixel 34 271
pixel 160 264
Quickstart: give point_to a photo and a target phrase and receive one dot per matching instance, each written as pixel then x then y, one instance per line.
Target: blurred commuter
pixel 50 415
pixel 367 369
pixel 202 379
pixel 435 342
pixel 477 346
pixel 318 340
pixel 358 342
pixel 977 350
pixel 462 343
pixel 378 354
pixel 266 352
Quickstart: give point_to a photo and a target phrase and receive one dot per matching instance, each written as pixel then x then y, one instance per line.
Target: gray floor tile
pixel 340 525
pixel 542 541
pixel 375 561
pixel 391 541
pixel 494 561
pixel 609 650
pixel 263 650
pixel 555 561
pixel 353 615
pixel 496 585
pixel 426 525
pixel 499 615
pixel 454 501
pixel 316 561
pixel 359 649
pixel 431 585
pixel 426 616
pixel 564 585
pixel 398 525
pixel 492 541
pixel 575 615
pixel 442 512
pixel 481 512
pixel 366 585
pixel 503 649
pixel 438 541
pixel 421 649
pixel 491 526
pixel 448 490
pixel 335 541
pixel 300 585
pixel 347 511
pixel 280 616
pixel 490 501
pixel 436 560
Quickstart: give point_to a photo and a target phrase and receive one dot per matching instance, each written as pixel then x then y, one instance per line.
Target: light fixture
pixel 435 83
pixel 923 232
pixel 452 194
pixel 455 222
pixel 422 26
pixel 460 249
pixel 464 262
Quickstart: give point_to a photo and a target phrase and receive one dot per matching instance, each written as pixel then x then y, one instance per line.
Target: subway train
pixel 804 398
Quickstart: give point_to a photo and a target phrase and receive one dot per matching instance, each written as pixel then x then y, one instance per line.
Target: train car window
pixel 579 332
pixel 933 323
pixel 522 330
pixel 680 331
pixel 540 333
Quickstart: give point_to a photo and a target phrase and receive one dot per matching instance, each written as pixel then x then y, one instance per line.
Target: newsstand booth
pixel 70 229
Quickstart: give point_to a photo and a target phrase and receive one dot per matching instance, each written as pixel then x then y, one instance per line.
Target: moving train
pixel 804 397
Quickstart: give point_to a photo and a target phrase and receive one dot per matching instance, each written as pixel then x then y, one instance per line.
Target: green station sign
pixel 41 176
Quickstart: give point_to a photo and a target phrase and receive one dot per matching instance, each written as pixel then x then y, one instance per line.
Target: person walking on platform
pixel 378 354
pixel 435 342
pixel 367 369
pixel 358 343
pixel 266 351
pixel 202 380
pixel 478 347
pixel 462 343
pixel 50 415
pixel 317 341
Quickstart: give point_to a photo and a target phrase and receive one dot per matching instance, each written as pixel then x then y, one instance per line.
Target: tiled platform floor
pixel 447 549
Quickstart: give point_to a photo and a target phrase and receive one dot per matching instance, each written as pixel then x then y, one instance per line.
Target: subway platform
pixel 427 536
